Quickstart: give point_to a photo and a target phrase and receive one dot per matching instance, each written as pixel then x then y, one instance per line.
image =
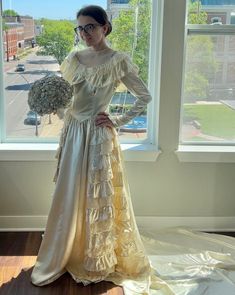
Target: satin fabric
pixel 91 230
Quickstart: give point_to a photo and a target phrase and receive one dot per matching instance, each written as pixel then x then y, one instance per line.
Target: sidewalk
pixel 53 129
pixel 9 65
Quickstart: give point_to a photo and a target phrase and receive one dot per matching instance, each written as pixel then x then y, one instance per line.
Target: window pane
pixel 25 62
pixel 209 84
pixel 131 34
pixel 209 90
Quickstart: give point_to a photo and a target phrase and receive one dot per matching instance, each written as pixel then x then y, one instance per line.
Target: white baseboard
pixel 38 223
pixel 23 223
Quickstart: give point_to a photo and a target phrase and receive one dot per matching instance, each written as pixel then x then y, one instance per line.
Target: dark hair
pixel 98 13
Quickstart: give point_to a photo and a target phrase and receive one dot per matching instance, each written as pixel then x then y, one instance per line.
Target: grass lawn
pixel 215 120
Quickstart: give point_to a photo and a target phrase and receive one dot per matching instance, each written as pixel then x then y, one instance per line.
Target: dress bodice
pixel 94 86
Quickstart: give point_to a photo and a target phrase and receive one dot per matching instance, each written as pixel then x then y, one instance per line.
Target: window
pixel 27 63
pixel 208 96
pixel 134 39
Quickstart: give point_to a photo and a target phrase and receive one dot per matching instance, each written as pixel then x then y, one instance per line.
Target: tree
pixel 131 33
pixel 57 38
pixel 195 13
pixel 201 65
pixel 9 12
pixel 4 25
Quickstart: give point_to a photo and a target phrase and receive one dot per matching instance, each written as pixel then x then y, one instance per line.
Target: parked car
pixel 32 118
pixel 20 68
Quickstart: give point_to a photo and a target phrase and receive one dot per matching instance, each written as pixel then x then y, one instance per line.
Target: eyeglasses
pixel 89 28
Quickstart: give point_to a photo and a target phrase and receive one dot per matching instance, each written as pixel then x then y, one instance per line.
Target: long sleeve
pixel 68 68
pixel 138 88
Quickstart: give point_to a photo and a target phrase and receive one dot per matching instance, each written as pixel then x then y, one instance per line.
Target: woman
pixel 91 230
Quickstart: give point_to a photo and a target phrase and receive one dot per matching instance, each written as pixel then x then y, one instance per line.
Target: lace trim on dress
pixel 98 76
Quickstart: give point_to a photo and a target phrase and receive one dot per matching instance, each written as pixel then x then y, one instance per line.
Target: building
pixel 13 39
pixel 20 33
pixel 28 24
pixel 114 6
pixel 10 43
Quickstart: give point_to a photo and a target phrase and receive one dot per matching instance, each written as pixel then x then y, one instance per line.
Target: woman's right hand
pixel 102 119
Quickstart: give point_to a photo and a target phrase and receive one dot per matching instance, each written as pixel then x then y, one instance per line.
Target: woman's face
pixel 91 31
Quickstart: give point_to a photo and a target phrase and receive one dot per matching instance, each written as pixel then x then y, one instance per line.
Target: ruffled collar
pixel 117 66
pixel 95 67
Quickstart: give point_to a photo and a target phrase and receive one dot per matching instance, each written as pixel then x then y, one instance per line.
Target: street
pixel 17 85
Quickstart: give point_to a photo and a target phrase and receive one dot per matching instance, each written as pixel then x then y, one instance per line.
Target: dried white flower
pixel 49 94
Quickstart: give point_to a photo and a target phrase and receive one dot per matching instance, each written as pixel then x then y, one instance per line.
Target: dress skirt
pixel 91 230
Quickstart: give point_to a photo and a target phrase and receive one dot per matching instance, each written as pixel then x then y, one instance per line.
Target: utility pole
pixel 7 43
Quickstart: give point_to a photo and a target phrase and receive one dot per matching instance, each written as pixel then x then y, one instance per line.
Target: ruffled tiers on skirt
pixel 112 241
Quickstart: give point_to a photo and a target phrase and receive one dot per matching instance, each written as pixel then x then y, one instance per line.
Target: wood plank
pixel 18 253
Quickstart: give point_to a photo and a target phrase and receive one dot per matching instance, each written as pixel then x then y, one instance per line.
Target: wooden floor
pixel 18 253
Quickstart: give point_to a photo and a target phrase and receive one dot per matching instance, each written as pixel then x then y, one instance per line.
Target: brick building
pixel 20 33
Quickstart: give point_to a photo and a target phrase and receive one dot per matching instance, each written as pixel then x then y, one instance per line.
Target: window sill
pixel 206 154
pixel 46 152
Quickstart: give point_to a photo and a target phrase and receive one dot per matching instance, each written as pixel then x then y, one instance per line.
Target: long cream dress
pixel 91 230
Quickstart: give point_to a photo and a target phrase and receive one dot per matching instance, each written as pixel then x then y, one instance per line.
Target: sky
pixel 53 9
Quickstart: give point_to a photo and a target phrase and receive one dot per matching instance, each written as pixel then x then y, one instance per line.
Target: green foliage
pixel 201 67
pixel 57 38
pixel 195 13
pixel 131 30
pixel 4 26
pixel 131 34
pixel 9 12
pixel 196 85
pixel 200 60
pixel 122 36
pixel 215 120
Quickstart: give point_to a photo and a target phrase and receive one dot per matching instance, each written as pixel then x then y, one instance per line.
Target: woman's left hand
pixel 102 119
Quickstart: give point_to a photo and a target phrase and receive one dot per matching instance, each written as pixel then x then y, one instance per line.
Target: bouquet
pixel 49 94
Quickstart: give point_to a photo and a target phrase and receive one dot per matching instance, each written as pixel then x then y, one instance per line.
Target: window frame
pixel 145 150
pixel 203 30
pixel 203 152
